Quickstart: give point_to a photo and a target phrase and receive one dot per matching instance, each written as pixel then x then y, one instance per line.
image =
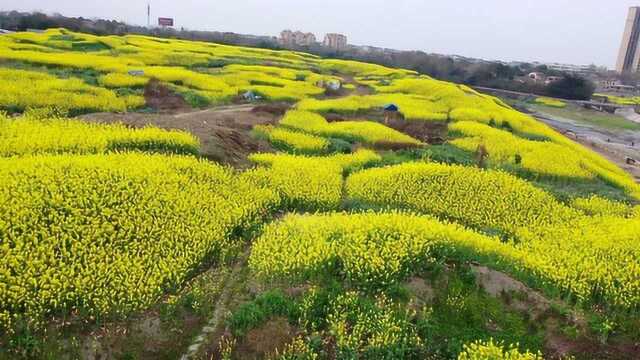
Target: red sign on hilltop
pixel 165 21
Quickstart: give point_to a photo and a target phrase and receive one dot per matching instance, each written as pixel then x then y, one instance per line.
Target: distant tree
pixel 572 87
pixel 541 68
pixel 460 70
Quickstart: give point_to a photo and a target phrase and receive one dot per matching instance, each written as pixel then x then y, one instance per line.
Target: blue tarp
pixel 391 107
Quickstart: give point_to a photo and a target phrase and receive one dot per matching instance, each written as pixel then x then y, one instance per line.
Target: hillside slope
pixel 371 212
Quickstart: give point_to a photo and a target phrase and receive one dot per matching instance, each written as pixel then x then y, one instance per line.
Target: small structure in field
pixel 331 85
pixel 251 96
pixel 391 108
pixel 391 111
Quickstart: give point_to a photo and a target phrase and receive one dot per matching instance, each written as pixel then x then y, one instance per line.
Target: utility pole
pixel 148 15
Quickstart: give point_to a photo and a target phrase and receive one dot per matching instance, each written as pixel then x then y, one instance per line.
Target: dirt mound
pixel 430 132
pixel 517 294
pixel 265 340
pixel 232 146
pixel 161 98
pixel 224 132
pixel 559 346
pixel 274 109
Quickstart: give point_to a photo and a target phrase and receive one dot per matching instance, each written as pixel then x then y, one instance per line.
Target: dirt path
pixel 224 132
pixel 208 333
pixel 614 145
pixel 228 109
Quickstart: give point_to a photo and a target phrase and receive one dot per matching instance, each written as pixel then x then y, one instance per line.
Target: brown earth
pixel 360 88
pixel 559 346
pixel 274 108
pixel 224 132
pixel 518 296
pixel 160 98
pixel 498 284
pixel 266 339
pixel 430 132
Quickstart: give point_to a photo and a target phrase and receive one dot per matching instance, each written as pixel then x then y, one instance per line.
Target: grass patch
pixel 569 189
pixel 462 313
pixel 89 76
pixel 255 313
pixel 589 117
pixel 444 153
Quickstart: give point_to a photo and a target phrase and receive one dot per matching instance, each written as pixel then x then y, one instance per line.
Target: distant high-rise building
pixel 629 56
pixel 297 38
pixel 335 41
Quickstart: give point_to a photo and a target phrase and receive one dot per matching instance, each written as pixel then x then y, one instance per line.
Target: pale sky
pixel 576 31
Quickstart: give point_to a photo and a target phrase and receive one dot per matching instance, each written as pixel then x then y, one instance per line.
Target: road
pixel 616 146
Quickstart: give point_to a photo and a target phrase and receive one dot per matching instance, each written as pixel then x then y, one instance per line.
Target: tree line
pixel 459 70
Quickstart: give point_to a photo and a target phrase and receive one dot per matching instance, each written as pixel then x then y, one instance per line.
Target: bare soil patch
pixel 161 98
pixel 430 132
pixel 224 132
pixel 274 109
pixel 266 339
pixel 558 346
pixel 144 335
pixel 360 88
pixel 516 294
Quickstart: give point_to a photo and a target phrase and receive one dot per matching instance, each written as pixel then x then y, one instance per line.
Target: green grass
pixel 461 313
pixel 568 189
pixel 444 153
pixel 589 117
pixel 255 313
pixel 89 76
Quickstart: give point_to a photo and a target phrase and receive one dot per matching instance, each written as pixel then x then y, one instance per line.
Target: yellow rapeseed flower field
pixel 293 141
pixel 489 350
pixel 483 199
pixel 27 135
pixel 22 89
pixel 308 182
pixel 550 102
pixel 102 220
pixel 107 234
pixel 369 132
pixel 369 249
